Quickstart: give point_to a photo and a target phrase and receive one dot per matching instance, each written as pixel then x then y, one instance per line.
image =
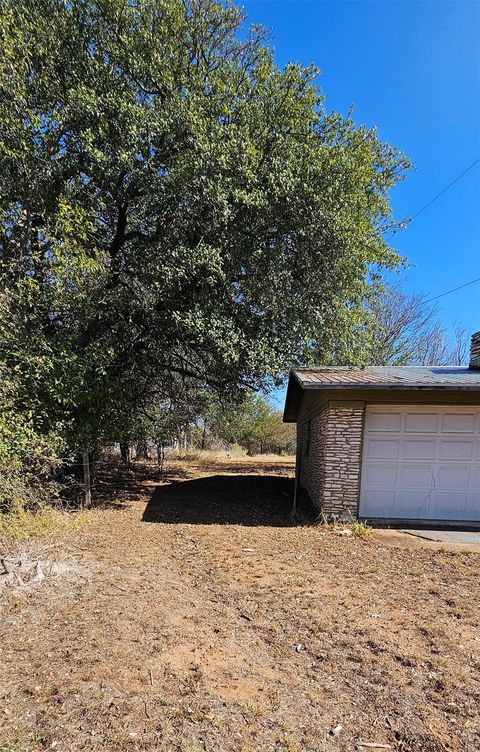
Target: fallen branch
pixel 11 574
pixel 37 577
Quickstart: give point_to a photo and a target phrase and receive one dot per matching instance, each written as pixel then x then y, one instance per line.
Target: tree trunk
pixel 141 450
pixel 93 457
pixel 160 456
pixel 125 452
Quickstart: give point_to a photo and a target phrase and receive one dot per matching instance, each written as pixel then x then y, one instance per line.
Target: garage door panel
pixel 380 476
pixel 414 476
pixel 387 421
pixel 475 477
pixel 421 463
pixel 414 449
pixel 459 422
pixel 452 476
pixel 473 507
pixel 447 505
pixel 455 450
pixel 384 449
pixel 380 504
pixel 412 504
pixel 420 422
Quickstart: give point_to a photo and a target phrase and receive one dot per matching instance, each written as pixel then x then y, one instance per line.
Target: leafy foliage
pixel 174 209
pixel 27 457
pixel 252 424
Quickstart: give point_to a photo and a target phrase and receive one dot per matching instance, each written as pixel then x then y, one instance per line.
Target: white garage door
pixel 421 463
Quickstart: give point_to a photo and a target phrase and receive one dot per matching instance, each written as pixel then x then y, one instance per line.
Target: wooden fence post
pixel 298 473
pixel 86 480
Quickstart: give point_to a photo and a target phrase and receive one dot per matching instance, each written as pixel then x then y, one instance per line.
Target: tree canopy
pixel 404 330
pixel 174 210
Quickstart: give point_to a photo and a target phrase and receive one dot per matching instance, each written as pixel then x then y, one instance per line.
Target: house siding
pixel 330 448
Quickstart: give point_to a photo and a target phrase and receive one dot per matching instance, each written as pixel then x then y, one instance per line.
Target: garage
pixel 389 443
pixel 421 463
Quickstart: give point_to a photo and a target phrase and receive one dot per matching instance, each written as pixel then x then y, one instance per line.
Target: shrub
pixel 28 458
pixel 360 530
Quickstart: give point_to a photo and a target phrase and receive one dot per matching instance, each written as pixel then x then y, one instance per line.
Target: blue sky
pixel 413 70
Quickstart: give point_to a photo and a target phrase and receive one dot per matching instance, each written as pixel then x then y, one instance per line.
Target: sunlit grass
pixel 20 524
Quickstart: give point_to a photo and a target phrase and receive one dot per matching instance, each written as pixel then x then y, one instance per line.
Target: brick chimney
pixel 475 351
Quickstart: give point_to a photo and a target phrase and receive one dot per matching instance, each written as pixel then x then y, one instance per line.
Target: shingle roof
pixel 389 377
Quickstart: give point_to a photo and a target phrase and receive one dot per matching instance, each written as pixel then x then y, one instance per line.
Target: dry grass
pixel 197 618
pixel 360 530
pixel 20 524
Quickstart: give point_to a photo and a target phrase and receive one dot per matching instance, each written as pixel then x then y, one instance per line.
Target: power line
pixel 444 190
pixel 429 203
pixel 455 180
pixel 460 287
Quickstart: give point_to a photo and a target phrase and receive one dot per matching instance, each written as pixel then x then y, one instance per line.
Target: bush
pixel 360 530
pixel 19 523
pixel 28 458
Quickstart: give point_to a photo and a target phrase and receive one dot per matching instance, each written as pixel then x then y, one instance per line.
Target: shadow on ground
pixel 223 500
pixel 115 486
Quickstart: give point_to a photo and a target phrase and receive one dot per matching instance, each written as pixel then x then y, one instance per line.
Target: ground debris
pixel 23 572
pixel 20 573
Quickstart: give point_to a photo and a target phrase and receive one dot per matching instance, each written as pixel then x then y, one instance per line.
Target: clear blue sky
pixel 413 70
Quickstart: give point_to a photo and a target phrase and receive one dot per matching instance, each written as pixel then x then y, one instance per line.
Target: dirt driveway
pixel 193 618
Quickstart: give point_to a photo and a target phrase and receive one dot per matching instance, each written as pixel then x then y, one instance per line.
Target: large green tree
pixel 173 207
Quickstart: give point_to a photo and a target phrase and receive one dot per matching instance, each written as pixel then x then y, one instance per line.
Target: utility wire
pixel 453 290
pixel 444 190
pixel 429 203
pixel 455 180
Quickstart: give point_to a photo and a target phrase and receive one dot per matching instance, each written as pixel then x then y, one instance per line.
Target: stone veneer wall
pixel 330 472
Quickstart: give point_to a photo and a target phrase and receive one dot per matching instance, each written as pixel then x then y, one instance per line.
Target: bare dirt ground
pixel 190 616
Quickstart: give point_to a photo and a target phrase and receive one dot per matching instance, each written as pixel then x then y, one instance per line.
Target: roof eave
pixel 390 387
pixel 293 398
